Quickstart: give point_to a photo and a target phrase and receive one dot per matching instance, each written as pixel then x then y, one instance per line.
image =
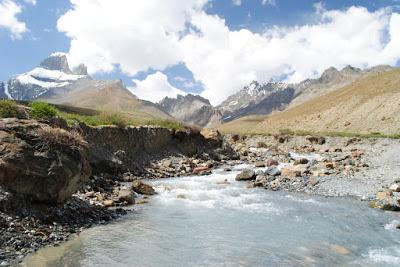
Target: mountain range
pixel 53 81
pixel 369 105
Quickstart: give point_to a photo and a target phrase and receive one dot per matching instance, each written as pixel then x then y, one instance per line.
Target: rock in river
pixel 142 188
pixel 127 196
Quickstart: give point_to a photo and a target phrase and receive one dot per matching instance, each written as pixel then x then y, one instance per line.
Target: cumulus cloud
pixel 154 88
pixel 134 35
pixel 224 60
pixel 32 2
pixel 142 35
pixel 269 2
pixel 8 18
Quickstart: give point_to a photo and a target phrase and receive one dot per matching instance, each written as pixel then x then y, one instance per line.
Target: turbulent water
pixel 216 221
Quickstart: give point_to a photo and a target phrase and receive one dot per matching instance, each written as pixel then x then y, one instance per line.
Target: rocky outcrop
pixel 113 149
pixel 47 164
pixel 212 136
pixel 257 99
pixel 192 109
pixel 3 91
pixel 57 61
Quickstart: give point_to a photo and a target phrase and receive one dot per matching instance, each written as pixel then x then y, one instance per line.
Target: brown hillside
pixel 368 105
pixel 109 96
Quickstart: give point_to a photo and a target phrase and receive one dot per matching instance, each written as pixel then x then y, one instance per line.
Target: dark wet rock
pixel 142 188
pixel 320 140
pixel 246 175
pixel 282 138
pixel 301 161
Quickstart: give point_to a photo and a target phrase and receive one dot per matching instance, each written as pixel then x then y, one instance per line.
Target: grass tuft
pixel 42 110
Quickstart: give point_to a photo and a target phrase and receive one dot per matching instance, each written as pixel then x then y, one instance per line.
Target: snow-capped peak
pixel 58 54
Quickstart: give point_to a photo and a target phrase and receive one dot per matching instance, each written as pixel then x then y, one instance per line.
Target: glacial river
pixel 205 221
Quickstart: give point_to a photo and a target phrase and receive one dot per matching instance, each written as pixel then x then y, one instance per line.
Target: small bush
pixel 41 110
pixel 9 109
pixel 55 137
pixel 114 119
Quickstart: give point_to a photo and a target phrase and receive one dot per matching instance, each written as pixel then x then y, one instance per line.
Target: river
pixel 216 221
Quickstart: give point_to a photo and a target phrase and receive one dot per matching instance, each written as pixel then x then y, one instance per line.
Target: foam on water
pixel 219 190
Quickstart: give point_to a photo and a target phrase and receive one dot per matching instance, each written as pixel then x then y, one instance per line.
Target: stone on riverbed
pixel 127 196
pixel 301 161
pixel 294 171
pixel 272 162
pixel 259 164
pixel 246 175
pixel 142 188
pixel 273 171
pixel 395 187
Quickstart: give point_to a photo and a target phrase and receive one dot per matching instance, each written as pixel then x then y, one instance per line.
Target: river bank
pixel 122 158
pixel 56 180
pixel 367 169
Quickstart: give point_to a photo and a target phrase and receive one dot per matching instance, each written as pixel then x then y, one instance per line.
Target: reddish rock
pixel 199 170
pixel 272 162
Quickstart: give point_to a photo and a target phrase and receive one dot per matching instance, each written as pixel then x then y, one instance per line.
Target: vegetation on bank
pixel 42 110
pixel 9 109
pixel 331 134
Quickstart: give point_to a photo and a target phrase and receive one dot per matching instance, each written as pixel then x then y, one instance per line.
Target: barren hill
pixel 368 105
pixel 109 96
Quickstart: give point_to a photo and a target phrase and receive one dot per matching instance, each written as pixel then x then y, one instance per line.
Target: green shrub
pixel 114 119
pixel 9 109
pixel 170 124
pixel 41 110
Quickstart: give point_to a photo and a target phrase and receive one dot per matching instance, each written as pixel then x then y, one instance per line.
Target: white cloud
pixel 237 2
pixel 154 34
pixel 224 60
pixel 135 35
pixel 268 2
pixel 8 18
pixel 155 87
pixel 32 2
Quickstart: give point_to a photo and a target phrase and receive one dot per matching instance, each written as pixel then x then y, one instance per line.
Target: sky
pixel 209 47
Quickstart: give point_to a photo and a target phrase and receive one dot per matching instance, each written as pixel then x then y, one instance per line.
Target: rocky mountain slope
pixel 368 105
pixel 192 109
pixel 264 99
pixel 53 72
pixel 257 99
pixel 330 80
pixel 2 91
pixel 53 81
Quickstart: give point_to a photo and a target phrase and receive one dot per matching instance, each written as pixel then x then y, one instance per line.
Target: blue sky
pixel 42 37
